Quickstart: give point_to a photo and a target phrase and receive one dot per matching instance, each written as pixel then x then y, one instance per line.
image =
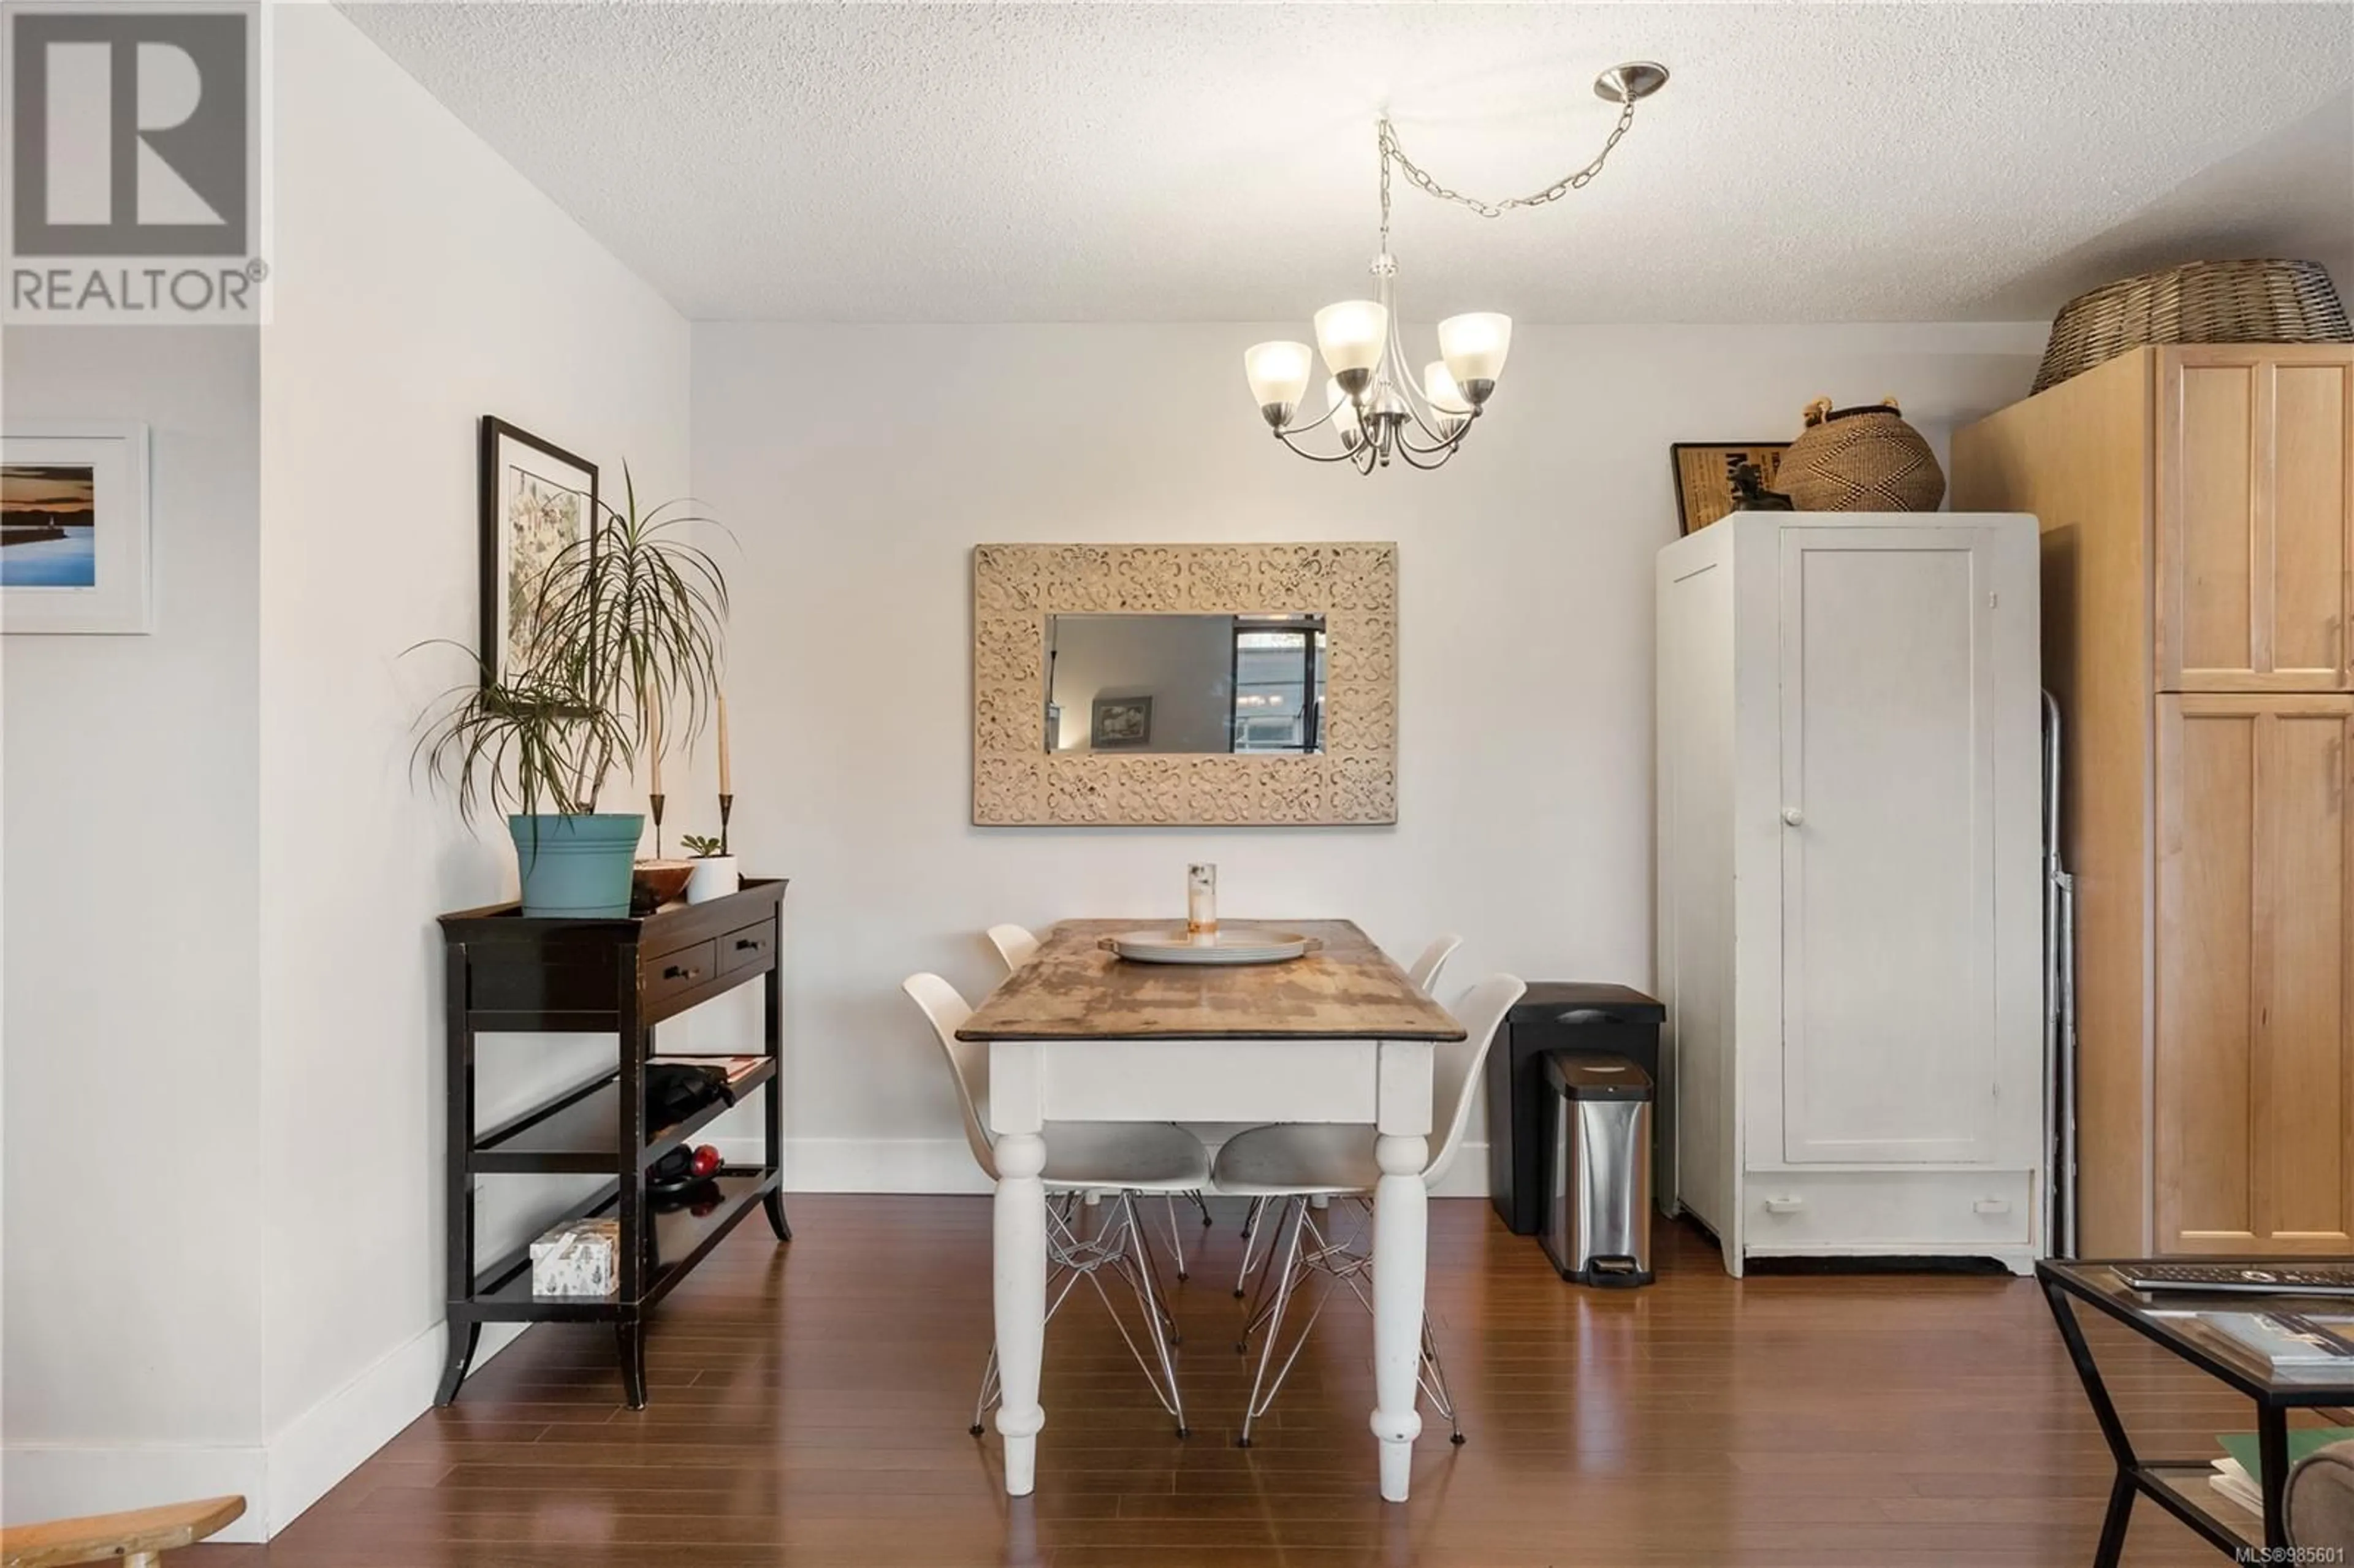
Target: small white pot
pixel 715 877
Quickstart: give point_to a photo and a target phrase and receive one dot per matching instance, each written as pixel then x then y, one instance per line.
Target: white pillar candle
pixel 726 779
pixel 654 748
pixel 1202 903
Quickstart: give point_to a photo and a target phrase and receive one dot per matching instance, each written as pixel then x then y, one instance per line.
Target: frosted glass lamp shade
pixel 1351 335
pixel 1474 347
pixel 1438 389
pixel 1345 419
pixel 1279 375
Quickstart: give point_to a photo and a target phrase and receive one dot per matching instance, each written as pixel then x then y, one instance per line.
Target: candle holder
pixel 727 804
pixel 656 800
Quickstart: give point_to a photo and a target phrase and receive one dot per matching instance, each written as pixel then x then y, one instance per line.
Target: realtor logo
pixel 131 161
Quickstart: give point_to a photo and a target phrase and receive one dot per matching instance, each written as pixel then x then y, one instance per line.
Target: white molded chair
pixel 1014 944
pixel 1424 970
pixel 1424 973
pixel 1017 946
pixel 1293 1163
pixel 1083 1158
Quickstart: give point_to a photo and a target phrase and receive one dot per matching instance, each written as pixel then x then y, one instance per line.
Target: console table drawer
pixel 666 975
pixel 748 948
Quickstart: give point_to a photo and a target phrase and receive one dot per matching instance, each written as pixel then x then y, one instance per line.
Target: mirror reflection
pixel 1185 683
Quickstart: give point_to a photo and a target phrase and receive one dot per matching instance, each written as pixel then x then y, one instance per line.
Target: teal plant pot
pixel 577 867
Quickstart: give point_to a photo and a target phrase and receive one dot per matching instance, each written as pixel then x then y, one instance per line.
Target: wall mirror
pixel 1184 685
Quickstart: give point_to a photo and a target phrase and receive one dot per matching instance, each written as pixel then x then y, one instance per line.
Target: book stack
pixel 737 1068
pixel 2239 1476
pixel 2298 1346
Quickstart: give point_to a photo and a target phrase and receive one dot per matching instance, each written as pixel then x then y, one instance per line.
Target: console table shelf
pixel 681 1239
pixel 578 1132
pixel 509 973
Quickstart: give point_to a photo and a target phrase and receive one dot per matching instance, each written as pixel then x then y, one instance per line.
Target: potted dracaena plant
pixel 623 632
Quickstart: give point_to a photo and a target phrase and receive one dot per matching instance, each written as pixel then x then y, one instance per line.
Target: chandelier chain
pixel 1391 152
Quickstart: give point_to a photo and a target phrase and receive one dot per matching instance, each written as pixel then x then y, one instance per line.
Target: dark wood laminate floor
pixel 809 1404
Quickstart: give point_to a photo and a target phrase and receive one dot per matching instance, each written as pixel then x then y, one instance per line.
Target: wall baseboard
pixel 63 1482
pixel 944 1165
pixel 328 1442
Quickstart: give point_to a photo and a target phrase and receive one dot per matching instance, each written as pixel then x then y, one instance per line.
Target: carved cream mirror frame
pixel 1016 782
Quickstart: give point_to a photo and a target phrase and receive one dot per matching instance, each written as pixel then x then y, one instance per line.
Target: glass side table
pixel 2169 1319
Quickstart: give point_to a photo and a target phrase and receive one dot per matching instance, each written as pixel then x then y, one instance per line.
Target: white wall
pixel 859 465
pixel 128 794
pixel 421 284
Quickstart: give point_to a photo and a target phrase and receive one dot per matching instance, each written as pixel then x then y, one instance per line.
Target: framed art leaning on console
pixel 536 499
pixel 1185 686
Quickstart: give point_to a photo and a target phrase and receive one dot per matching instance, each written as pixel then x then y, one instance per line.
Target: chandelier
pixel 1375 407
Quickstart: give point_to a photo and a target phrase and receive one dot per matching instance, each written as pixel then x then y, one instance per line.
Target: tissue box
pixel 580 1257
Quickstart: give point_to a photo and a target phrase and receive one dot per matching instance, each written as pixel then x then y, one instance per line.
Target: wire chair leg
pixel 1176 1241
pixel 1147 1298
pixel 1201 1203
pixel 1151 1266
pixel 988 1392
pixel 1435 1383
pixel 1284 1261
pixel 1250 1244
pixel 1270 1278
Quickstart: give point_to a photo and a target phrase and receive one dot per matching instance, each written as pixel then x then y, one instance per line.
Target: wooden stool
pixel 139 1538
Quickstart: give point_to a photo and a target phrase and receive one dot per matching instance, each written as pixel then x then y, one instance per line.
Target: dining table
pixel 1339 1034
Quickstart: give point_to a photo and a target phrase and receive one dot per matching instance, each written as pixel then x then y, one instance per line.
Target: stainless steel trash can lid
pixel 1595 1075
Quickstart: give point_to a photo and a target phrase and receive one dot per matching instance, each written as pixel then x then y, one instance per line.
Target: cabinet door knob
pixel 1784 1205
pixel 1793 817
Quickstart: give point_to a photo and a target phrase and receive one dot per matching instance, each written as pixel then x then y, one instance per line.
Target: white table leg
pixel 1020 1215
pixel 1400 1247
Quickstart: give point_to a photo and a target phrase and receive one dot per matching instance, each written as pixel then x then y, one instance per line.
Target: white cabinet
pixel 1848 897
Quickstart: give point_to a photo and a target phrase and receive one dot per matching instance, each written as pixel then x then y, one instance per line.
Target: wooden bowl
pixel 654 883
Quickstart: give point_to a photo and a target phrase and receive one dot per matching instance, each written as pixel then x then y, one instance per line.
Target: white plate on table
pixel 1231 945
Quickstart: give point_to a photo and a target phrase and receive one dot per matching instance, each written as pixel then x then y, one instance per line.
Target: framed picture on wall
pixel 74 528
pixel 1121 721
pixel 537 498
pixel 1704 476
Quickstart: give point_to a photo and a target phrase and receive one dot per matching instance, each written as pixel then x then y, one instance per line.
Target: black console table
pixel 512 973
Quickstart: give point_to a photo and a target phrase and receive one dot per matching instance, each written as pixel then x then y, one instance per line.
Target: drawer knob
pixel 1992 1205
pixel 1784 1205
pixel 744 942
pixel 680 971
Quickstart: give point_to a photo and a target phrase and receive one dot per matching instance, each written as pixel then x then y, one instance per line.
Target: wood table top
pixel 1076 990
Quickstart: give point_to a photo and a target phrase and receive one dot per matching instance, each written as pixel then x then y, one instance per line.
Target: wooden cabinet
pixel 2253 548
pixel 2254 1086
pixel 2196 514
pixel 1848 767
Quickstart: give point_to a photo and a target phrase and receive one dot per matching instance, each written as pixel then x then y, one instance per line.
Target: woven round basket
pixel 2202 301
pixel 1860 460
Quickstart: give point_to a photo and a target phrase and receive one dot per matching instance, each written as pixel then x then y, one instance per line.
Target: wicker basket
pixel 1860 460
pixel 2203 301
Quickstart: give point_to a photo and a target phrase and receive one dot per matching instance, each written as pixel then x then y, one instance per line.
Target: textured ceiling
pixel 1216 163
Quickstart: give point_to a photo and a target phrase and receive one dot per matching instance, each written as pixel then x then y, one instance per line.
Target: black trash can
pixel 1598 1168
pixel 1553 1015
